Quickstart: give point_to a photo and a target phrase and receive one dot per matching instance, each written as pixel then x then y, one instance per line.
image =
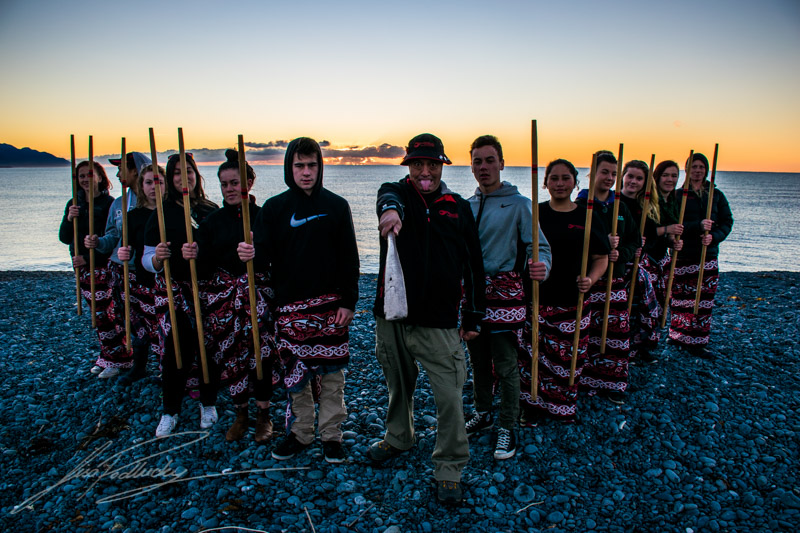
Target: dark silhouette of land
pixel 11 156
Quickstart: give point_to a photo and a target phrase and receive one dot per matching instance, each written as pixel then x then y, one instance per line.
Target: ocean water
pixel 766 231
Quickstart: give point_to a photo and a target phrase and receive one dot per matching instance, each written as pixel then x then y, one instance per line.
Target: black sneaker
pixel 700 351
pixel 506 446
pixel 478 421
pixel 382 451
pixel 646 357
pixel 333 451
pixel 449 492
pixel 613 396
pixel 288 448
pixel 135 374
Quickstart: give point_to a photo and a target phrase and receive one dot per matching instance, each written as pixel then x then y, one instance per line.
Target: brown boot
pixel 263 426
pixel 239 427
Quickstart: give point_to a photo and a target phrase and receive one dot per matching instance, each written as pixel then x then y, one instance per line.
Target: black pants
pixel 173 380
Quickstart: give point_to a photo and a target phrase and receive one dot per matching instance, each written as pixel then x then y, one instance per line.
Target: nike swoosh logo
pixel 505 205
pixel 297 223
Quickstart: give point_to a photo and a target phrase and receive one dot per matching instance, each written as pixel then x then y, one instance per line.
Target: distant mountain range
pixel 11 156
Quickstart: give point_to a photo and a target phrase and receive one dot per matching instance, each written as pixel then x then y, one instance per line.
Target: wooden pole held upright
pixel 75 240
pixel 91 230
pixel 648 191
pixel 162 231
pixel 684 194
pixel 584 261
pixel 187 217
pixel 708 216
pixel 535 259
pixel 126 282
pixel 610 269
pixel 251 276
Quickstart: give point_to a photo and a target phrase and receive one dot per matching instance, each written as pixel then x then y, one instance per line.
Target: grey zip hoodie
pixel 504 226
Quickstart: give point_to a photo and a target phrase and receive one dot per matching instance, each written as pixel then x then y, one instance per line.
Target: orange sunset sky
pixel 661 77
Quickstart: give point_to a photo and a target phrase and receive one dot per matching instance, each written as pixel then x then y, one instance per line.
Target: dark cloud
pixel 270 144
pixel 274 151
pixel 266 154
pixel 362 154
pixel 200 155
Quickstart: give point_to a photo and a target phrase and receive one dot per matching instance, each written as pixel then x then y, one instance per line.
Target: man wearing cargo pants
pixel 438 246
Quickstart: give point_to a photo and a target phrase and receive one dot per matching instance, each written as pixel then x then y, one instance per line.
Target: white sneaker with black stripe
pixel 506 446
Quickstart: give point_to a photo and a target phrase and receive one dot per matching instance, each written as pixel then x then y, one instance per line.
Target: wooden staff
pixel 708 216
pixel 251 276
pixel 91 229
pixel 610 270
pixel 187 217
pixel 535 258
pixel 75 241
pixel 684 194
pixel 162 231
pixel 587 232
pixel 126 282
pixel 648 191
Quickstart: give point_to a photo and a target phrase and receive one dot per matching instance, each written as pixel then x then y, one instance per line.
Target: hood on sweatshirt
pixel 506 189
pixel 303 146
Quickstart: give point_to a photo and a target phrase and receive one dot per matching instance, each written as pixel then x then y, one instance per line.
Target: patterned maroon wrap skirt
pixel 609 370
pixel 505 302
pixel 309 344
pixel 685 327
pixel 556 398
pixel 228 333
pixel 109 314
pixel 144 314
pixel 646 311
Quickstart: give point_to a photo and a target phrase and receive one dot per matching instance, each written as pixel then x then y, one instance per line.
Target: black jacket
pixel 217 239
pixel 438 247
pixel 102 204
pixel 175 228
pixel 695 212
pixel 627 229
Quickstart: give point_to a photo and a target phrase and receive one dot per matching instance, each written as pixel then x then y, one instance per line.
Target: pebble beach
pixel 699 445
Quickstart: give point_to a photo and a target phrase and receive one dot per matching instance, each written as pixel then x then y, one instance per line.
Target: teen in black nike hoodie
pixel 305 238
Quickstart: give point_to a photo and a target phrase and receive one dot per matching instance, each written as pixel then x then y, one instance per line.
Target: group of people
pixel 468 270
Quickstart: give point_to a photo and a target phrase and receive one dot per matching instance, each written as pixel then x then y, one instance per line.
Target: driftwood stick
pixel 708 216
pixel 535 259
pixel 670 278
pixel 610 269
pixel 587 232
pixel 92 188
pixel 163 237
pixel 648 191
pixel 126 282
pixel 187 217
pixel 75 240
pixel 251 276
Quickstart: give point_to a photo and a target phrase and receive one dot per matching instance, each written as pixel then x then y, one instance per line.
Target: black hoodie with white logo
pixel 307 242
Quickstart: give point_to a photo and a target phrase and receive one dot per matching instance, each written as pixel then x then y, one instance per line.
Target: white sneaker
pixel 96 369
pixel 108 373
pixel 166 425
pixel 208 416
